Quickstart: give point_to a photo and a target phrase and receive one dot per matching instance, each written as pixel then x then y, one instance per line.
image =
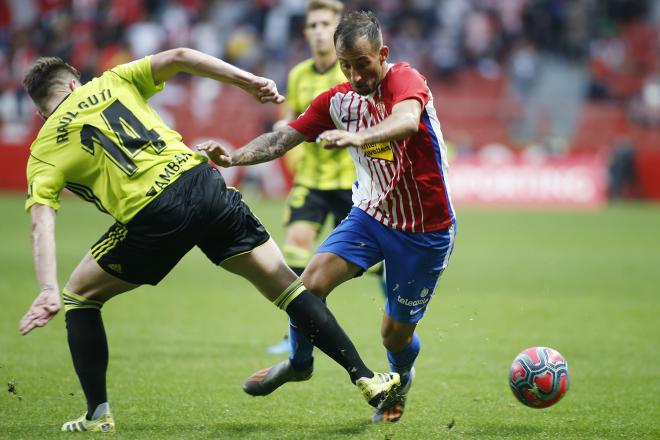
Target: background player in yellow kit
pixel 104 142
pixel 322 177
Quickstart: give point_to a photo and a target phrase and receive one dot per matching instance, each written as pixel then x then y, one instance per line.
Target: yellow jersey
pixel 106 144
pixel 317 167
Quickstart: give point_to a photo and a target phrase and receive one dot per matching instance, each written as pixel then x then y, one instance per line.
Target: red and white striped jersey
pixel 402 184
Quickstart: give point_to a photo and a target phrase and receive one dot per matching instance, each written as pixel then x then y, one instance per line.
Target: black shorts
pixel 196 210
pixel 314 205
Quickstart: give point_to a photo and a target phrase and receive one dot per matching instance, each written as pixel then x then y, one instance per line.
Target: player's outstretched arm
pixel 403 122
pixel 48 302
pixel 164 65
pixel 261 149
pixel 289 116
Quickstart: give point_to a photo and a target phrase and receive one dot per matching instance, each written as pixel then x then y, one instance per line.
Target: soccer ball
pixel 539 377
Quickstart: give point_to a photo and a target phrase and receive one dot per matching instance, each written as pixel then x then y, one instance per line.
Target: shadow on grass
pixel 501 430
pixel 264 428
pixel 338 428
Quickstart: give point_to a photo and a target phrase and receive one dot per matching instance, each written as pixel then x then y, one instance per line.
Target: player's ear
pixel 73 84
pixel 383 53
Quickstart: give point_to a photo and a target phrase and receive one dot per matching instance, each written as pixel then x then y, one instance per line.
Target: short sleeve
pixel 316 119
pixel 139 74
pixel 408 83
pixel 45 182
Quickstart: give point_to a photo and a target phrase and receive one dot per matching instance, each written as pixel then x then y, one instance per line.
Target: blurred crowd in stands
pixel 547 58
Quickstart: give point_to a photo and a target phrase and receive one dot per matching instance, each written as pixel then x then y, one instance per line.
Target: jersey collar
pixel 315 69
pixel 59 104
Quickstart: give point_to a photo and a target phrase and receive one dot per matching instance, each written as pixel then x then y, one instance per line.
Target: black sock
pixel 316 321
pixel 89 351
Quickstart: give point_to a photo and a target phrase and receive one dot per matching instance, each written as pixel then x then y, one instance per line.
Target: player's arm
pixel 289 115
pixel 261 149
pixel 164 65
pixel 47 303
pixel 402 123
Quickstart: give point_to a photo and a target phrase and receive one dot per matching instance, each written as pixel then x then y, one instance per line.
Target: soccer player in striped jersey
pixel 402 210
pixel 104 142
pixel 322 177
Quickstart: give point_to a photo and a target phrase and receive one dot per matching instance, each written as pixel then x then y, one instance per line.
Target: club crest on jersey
pixel 382 150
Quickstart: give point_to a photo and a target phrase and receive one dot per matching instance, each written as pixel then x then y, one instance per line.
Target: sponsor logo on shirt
pixel 382 150
pixel 171 170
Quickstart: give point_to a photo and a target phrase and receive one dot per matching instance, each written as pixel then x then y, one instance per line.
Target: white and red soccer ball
pixel 539 377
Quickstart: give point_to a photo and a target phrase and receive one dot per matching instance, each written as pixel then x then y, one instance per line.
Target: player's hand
pixel 339 139
pixel 42 310
pixel 216 152
pixel 264 90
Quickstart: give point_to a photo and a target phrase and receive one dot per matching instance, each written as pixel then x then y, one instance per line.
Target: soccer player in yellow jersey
pixel 105 143
pixel 322 177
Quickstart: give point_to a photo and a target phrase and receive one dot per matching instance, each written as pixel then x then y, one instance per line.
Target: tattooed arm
pixel 260 149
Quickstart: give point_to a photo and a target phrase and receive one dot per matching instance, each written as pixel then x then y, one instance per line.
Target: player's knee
pixel 300 240
pixel 300 235
pixel 316 282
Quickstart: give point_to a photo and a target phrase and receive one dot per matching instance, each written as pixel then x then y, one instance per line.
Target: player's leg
pixel 265 268
pixel 88 288
pixel 323 274
pixel 299 238
pixel 344 254
pixel 401 342
pixel 414 264
pixel 140 252
pixel 234 238
pixel 403 345
pixel 306 213
pixel 340 204
pixel 299 366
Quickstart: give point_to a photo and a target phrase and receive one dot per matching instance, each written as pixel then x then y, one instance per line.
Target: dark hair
pixel 46 73
pixel 358 24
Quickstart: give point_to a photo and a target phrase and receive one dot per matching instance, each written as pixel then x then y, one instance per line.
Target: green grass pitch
pixel 584 283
